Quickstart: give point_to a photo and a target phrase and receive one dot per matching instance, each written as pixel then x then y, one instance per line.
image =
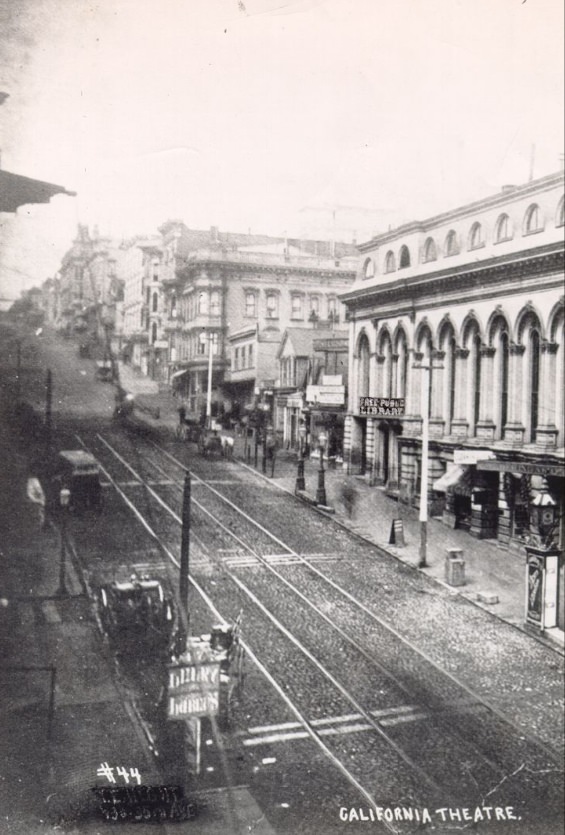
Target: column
pixel 486 426
pixel 460 423
pixel 514 429
pixel 546 433
pixel 437 420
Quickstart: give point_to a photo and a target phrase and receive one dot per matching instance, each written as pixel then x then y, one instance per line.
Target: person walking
pixel 349 498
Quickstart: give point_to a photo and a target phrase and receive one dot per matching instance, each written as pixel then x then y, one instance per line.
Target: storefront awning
pixel 16 191
pixel 454 476
pixel 178 374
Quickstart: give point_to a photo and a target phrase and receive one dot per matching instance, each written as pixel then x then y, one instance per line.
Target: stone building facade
pixel 462 315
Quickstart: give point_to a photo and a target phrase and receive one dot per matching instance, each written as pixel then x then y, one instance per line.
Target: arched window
pixel 363 369
pixel 560 214
pixel 401 363
pixel 533 220
pixel 451 243
pixel 369 268
pixel 404 257
pixel 155 303
pixel 430 251
pixel 476 379
pixel 390 262
pixel 534 382
pixel 503 379
pixel 476 236
pixel 503 231
pixel 385 351
pixel 203 303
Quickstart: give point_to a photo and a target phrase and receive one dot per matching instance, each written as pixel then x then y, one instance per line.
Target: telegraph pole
pixel 184 557
pixel 48 407
pixel 426 397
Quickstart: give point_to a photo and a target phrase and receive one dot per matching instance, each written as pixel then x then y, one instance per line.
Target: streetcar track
pixel 303 560
pixel 303 720
pixel 386 672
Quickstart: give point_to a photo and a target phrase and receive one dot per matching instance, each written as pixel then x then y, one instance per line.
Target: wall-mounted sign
pixel 330 395
pixel 535 468
pixel 381 406
pixel 471 456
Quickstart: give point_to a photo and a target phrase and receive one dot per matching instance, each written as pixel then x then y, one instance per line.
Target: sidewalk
pixel 61 713
pixel 491 572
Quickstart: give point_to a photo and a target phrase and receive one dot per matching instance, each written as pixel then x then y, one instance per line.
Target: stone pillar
pixel 486 427
pixel 515 429
pixel 546 432
pixel 460 423
pixel 437 418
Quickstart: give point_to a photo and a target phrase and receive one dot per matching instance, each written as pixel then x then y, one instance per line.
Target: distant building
pixel 235 294
pixel 477 292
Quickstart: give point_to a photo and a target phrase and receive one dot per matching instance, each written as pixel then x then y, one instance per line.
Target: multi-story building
pixel 234 295
pixel 477 294
pixel 90 291
pixel 145 347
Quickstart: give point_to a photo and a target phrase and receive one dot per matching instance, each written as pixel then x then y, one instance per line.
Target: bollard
pixel 454 567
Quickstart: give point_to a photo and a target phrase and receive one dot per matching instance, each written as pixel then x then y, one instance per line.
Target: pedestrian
pixel 36 496
pixel 349 498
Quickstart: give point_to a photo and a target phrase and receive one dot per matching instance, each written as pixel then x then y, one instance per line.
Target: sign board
pixel 328 395
pixel 537 468
pixel 381 406
pixel 541 588
pixel 193 690
pixel 471 456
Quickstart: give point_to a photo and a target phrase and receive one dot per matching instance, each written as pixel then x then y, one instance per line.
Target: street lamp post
pixel 321 491
pixel 300 481
pixel 64 500
pixel 208 337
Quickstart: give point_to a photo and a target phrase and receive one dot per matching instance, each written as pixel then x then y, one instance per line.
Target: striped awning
pixel 455 478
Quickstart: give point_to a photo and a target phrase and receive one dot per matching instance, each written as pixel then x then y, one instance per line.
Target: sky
pixel 269 116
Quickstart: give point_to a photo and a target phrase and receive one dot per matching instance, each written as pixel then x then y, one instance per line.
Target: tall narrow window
pixel 272 306
pixel 534 382
pixel 363 374
pixel 369 268
pixel 476 379
pixel 504 358
pixel 153 333
pixel 250 304
pixel 203 303
pixel 476 236
pixel 296 311
pixel 451 381
pixel 215 303
pixel 155 303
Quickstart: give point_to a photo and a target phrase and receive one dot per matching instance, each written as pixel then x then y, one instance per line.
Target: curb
pixel 545 641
